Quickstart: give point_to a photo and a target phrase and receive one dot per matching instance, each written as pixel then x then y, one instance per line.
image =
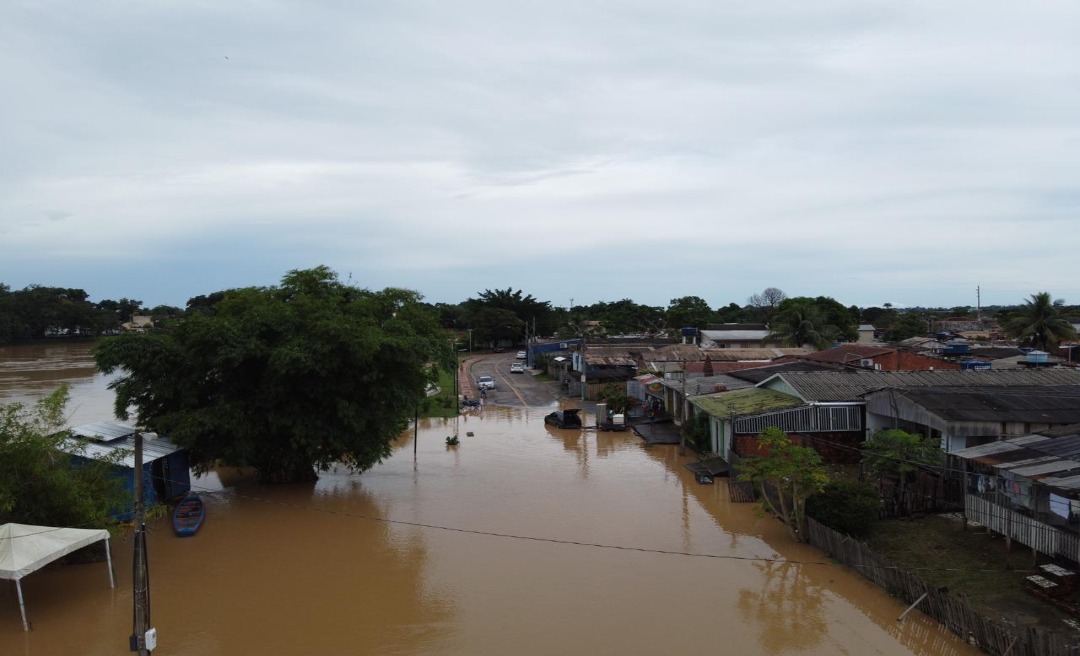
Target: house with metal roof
pixel 735 335
pixel 817 387
pixel 1026 488
pixel 165 468
pixel 963 417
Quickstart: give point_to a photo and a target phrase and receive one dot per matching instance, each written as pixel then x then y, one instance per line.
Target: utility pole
pixel 143 637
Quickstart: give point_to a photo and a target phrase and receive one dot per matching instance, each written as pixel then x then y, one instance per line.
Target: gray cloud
pixel 868 151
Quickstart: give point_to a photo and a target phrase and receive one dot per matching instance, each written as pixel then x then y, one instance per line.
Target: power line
pixel 580 543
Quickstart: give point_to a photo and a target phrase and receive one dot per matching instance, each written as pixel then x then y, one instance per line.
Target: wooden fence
pixel 989 635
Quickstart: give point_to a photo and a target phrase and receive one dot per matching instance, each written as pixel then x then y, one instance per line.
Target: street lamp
pixel 470 340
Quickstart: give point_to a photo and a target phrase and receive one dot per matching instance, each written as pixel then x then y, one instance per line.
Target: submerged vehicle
pixel 564 418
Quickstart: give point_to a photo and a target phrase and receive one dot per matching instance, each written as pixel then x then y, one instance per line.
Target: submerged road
pixel 514 390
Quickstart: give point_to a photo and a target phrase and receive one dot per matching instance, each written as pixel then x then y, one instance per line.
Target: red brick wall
pixel 835 448
pixel 908 361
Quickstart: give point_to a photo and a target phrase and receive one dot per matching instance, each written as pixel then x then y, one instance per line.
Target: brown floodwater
pixel 524 539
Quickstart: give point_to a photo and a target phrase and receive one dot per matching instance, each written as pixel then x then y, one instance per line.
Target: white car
pixel 521 355
pixel 485 382
pixel 517 368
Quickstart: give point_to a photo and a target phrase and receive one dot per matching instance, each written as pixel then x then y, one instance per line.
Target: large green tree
pixel 816 322
pixel 537 315
pixel 688 312
pixel 799 326
pixel 788 475
pixel 39 483
pixel 1040 322
pixel 289 380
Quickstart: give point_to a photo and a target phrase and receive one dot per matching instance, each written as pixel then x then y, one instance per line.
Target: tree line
pixel 37 312
pixel 506 317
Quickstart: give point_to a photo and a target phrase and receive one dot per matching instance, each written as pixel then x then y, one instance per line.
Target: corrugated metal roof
pixel 153 449
pixel 851 385
pixel 103 431
pixel 1055 466
pixel 702 385
pixel 758 374
pixel 103 440
pixel 1059 404
pixel 1065 447
pixel 734 335
pixel 1054 462
pixel 750 401
pixel 848 352
pixel 610 360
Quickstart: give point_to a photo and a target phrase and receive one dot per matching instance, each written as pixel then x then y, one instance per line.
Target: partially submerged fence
pixel 989 635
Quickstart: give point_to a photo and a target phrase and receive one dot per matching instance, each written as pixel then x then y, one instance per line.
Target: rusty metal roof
pixel 848 353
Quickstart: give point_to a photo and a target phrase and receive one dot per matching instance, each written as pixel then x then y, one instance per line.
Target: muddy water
pixel 524 539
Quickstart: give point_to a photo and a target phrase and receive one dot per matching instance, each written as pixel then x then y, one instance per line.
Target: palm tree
pixel 1040 322
pixel 797 326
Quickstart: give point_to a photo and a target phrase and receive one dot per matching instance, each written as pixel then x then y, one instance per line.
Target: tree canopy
pixel 288 380
pixel 815 321
pixel 503 314
pixel 688 312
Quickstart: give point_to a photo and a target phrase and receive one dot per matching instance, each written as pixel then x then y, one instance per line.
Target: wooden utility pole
pixel 143 638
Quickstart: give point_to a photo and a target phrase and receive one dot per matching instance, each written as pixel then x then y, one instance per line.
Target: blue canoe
pixel 188 515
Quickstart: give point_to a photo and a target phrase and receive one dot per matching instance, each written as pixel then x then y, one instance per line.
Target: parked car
pixel 517 368
pixel 521 355
pixel 485 382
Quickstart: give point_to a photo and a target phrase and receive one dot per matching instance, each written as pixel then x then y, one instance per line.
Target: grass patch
pixel 445 403
pixel 966 562
pixel 972 564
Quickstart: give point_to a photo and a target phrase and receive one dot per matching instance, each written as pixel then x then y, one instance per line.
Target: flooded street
pixel 524 539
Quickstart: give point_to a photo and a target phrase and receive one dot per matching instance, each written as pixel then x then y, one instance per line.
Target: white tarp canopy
pixel 25 549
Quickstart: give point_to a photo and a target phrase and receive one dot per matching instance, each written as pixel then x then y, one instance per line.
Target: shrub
pixel 847 506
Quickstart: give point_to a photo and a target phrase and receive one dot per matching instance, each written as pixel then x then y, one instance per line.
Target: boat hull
pixel 188 516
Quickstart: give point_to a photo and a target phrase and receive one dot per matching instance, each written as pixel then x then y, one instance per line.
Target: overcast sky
pixel 902 152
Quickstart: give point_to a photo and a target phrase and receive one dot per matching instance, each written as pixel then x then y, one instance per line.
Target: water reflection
pixel 786 608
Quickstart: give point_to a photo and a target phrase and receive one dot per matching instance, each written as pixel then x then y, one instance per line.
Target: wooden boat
pixel 188 515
